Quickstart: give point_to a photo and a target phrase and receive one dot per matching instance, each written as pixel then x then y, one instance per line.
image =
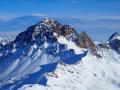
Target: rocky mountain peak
pixel 46 30
pixel 114 42
pixel 115 35
pixel 49 30
pixel 85 41
pixel 48 21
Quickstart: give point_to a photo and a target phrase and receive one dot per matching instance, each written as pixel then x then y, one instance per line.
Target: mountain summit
pixel 49 30
pixel 49 51
pixel 45 30
pixel 37 51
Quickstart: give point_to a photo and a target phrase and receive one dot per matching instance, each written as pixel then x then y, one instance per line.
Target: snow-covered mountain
pixel 36 51
pixel 114 42
pixel 90 73
pixel 52 56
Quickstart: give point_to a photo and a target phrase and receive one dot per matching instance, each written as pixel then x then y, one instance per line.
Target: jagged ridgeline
pixel 114 42
pixel 49 30
pixel 46 30
pixel 49 47
pixel 38 50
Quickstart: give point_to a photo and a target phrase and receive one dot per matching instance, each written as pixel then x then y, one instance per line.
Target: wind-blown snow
pixel 91 73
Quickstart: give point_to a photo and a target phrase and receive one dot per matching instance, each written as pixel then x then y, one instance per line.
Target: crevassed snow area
pixel 91 73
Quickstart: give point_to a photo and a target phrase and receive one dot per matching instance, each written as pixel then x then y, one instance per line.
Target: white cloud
pixel 9 33
pixel 39 14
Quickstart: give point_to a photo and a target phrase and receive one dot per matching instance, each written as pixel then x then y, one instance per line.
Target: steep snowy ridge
pixel 114 42
pixel 52 56
pixel 115 36
pixel 91 73
pixel 37 51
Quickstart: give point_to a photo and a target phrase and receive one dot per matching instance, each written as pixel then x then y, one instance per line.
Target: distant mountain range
pixel 19 23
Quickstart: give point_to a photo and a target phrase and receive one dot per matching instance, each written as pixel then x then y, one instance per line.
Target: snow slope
pixel 91 73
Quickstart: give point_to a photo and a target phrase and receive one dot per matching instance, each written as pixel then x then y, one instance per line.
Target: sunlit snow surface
pixel 91 73
pixel 70 45
pixel 28 65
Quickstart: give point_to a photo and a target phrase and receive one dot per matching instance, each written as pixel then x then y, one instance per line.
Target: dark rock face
pixel 114 42
pixel 45 30
pixel 84 41
pixel 103 45
pixel 26 36
pixel 113 36
pixel 49 30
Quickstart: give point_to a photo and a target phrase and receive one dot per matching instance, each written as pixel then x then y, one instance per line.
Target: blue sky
pixel 61 8
pixel 90 9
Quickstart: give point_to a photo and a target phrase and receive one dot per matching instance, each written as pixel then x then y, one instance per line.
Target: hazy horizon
pixel 99 18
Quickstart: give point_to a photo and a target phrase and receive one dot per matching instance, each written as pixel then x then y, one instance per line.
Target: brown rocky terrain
pixel 84 41
pixel 41 31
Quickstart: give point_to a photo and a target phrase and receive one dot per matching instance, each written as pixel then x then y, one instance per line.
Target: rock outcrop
pixel 49 30
pixel 114 42
pixel 84 41
pixel 45 30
